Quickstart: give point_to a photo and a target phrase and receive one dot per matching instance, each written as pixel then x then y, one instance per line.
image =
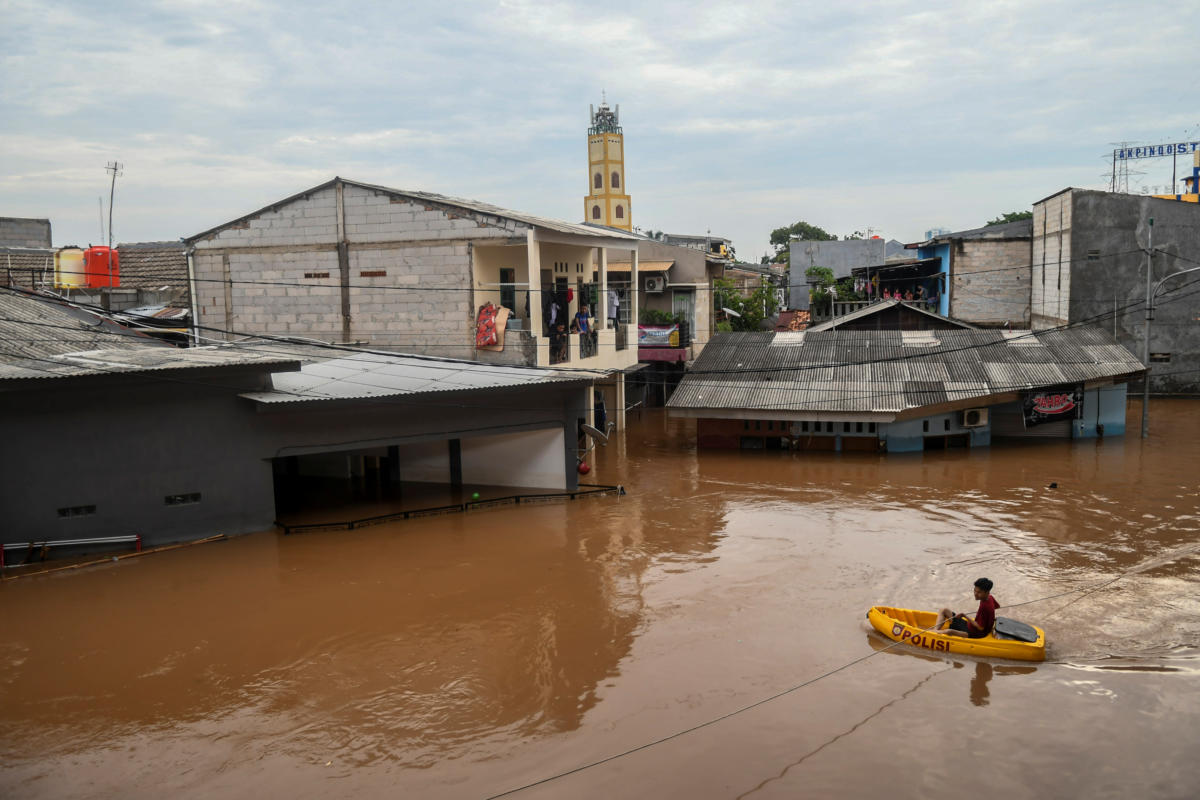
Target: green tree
pixel 820 280
pixel 1011 216
pixel 781 237
pixel 753 308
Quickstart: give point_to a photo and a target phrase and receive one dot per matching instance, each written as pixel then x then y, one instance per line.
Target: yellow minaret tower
pixel 606 203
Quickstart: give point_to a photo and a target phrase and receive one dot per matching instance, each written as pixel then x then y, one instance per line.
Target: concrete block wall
pixel 422 302
pixel 990 282
pixel 410 271
pixel 307 220
pixel 1110 291
pixel 1050 272
pixel 24 232
pixel 376 216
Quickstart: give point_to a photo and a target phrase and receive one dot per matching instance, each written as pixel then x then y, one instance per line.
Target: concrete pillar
pixel 634 299
pixel 533 263
pixel 393 460
pixel 602 306
pixel 620 409
pixel 590 406
pixel 456 463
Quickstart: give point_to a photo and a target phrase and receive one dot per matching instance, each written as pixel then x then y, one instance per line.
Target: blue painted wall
pixel 941 251
pixel 1105 407
pixel 909 436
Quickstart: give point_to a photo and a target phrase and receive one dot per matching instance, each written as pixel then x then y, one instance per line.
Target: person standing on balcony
pixel 582 324
pixel 582 319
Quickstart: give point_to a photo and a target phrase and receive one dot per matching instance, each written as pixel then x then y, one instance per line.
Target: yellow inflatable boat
pixel 1010 639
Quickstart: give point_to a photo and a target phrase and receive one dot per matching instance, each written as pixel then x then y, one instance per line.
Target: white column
pixel 635 287
pixel 620 401
pixel 533 263
pixel 602 306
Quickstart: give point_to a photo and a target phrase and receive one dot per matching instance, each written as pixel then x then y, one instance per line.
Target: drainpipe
pixel 193 307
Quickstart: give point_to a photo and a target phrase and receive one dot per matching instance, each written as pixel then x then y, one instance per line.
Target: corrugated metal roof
pixel 643 266
pixel 891 371
pixel 358 376
pixel 41 337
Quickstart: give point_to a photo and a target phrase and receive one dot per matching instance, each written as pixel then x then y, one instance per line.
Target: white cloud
pixel 739 117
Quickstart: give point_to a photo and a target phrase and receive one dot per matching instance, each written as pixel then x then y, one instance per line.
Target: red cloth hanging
pixel 485 326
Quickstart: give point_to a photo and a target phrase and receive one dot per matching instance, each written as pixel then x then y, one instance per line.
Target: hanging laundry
pixel 485 325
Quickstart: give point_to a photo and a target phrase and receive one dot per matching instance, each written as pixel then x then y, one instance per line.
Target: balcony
pixel 670 343
pixel 841 308
pixel 595 350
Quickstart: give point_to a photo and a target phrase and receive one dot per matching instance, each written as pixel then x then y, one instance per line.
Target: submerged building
pixel 108 433
pixel 860 388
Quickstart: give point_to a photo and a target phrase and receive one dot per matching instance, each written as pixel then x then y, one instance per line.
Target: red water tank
pixel 96 266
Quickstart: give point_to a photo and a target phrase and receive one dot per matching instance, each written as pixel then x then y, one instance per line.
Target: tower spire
pixel 607 202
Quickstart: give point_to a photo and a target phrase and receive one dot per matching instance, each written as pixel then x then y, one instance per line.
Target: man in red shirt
pixel 985 617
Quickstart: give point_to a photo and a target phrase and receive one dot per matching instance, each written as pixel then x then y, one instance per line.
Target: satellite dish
pixel 730 312
pixel 595 433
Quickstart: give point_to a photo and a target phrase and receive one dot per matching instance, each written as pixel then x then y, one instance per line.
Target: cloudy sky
pixel 739 117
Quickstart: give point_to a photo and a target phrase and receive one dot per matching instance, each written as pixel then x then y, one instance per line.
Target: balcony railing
pixel 841 308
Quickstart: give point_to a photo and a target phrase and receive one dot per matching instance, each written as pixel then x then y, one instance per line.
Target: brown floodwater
pixel 462 656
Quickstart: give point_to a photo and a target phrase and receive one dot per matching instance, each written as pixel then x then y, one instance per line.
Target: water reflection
pixel 451 656
pixel 984 670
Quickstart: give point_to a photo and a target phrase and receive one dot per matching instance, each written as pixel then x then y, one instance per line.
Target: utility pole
pixel 115 168
pixel 1149 315
pixel 1146 338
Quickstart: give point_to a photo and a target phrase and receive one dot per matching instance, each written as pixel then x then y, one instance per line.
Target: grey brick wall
pixel 409 271
pixel 23 232
pixel 990 282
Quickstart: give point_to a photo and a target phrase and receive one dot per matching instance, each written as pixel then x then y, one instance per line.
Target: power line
pixel 336 283
pixel 926 352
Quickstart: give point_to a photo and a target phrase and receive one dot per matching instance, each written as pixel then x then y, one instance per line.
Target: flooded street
pixel 465 655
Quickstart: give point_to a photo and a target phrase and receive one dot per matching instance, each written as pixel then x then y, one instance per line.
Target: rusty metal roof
pixel 891 371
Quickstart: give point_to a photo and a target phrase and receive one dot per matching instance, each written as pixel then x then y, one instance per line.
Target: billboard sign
pixel 1052 406
pixel 1156 150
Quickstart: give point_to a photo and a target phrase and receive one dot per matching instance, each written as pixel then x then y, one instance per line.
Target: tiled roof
pixel 890 372
pixel 28 266
pixel 795 320
pixel 153 265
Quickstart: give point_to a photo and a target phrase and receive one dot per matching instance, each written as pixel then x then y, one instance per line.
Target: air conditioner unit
pixel 975 418
pixel 656 283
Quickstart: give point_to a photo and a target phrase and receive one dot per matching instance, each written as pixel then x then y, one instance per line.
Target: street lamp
pixel 1151 293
